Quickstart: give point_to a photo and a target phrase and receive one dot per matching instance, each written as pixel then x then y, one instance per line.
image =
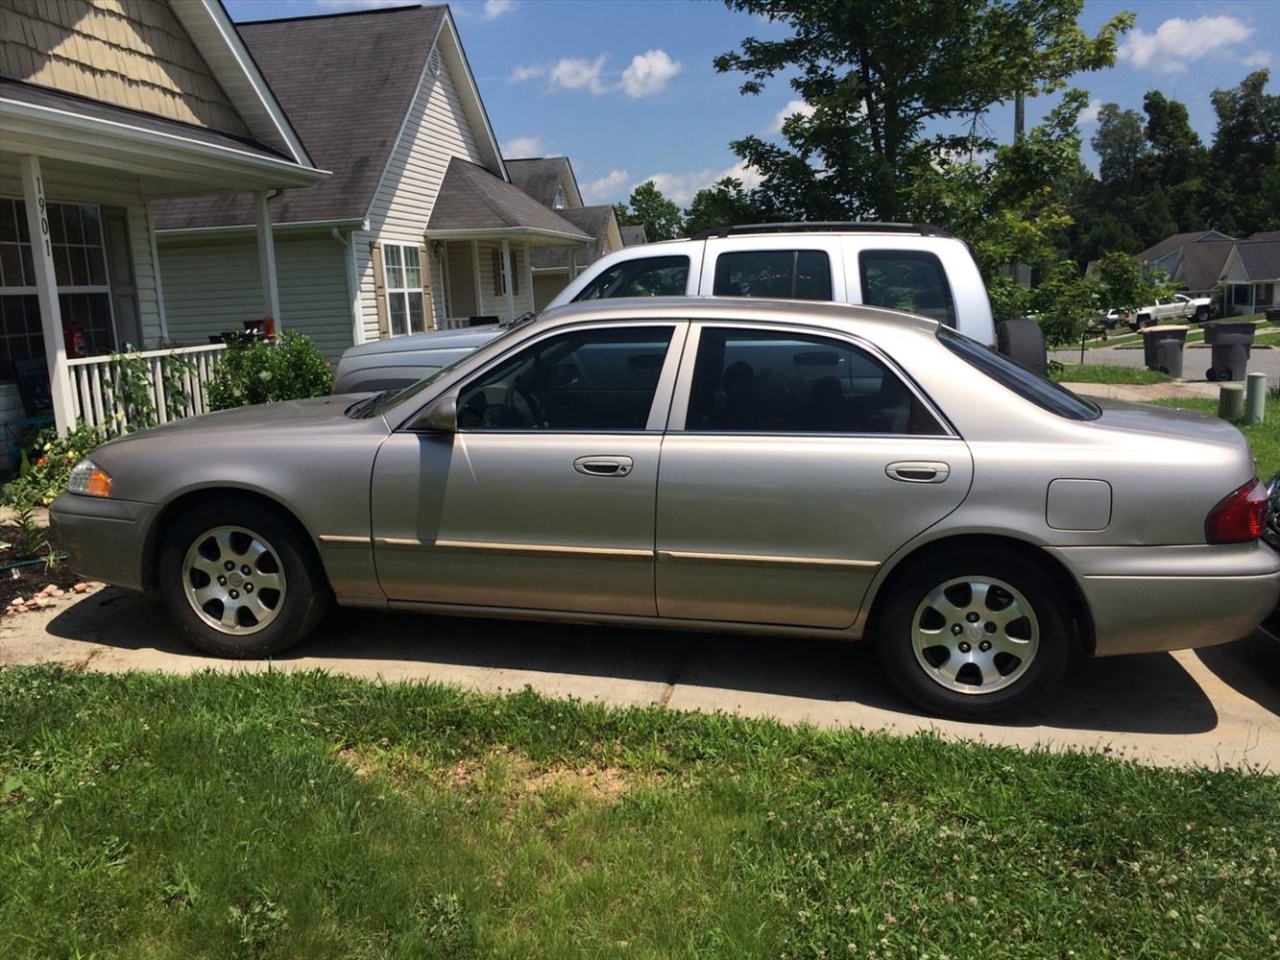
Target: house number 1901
pixel 44 217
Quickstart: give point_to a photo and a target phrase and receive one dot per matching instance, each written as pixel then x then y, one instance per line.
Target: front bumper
pixel 1149 599
pixel 105 539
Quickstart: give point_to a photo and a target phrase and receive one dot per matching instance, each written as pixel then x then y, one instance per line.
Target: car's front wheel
pixel 240 580
pixel 974 636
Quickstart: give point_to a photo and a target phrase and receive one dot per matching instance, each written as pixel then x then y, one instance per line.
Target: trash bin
pixel 1231 344
pixel 1169 357
pixel 1151 337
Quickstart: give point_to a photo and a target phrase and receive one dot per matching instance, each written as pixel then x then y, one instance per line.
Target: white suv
pixel 916 268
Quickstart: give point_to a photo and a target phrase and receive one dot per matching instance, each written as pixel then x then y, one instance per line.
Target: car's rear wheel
pixel 974 637
pixel 240 580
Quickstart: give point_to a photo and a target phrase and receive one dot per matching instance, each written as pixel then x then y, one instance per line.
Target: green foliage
pixel 1121 284
pixel 1064 302
pixel 264 371
pixel 725 203
pixel 128 385
pixel 648 207
pixel 47 465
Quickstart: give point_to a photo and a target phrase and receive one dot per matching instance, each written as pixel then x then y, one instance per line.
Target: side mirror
pixel 440 417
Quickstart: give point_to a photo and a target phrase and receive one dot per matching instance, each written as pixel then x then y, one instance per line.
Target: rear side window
pixel 909 280
pixel 645 277
pixel 779 274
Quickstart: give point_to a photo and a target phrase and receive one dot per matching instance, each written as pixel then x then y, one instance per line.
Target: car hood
pixel 466 338
pixel 287 416
pixel 1172 422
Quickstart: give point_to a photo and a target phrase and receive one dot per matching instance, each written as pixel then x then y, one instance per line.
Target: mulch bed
pixel 38 584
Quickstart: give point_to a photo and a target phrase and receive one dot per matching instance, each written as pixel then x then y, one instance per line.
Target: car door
pixel 796 464
pixel 543 498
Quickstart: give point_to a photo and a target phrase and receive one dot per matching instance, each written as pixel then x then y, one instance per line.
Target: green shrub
pixel 290 368
pixel 46 465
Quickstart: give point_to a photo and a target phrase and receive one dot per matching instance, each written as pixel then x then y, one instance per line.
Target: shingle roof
pixel 346 83
pixel 1260 258
pixel 1170 244
pixel 1202 264
pixel 593 221
pixel 472 199
pixel 1265 235
pixel 540 177
pixel 633 234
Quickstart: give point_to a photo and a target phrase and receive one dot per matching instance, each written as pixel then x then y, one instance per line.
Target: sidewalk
pixel 1140 392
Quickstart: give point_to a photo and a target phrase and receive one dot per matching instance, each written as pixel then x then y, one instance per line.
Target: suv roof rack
pixel 921 229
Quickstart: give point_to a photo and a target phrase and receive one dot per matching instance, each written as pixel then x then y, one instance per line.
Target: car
pixel 1114 318
pixel 762 467
pixel 1271 532
pixel 914 267
pixel 1178 307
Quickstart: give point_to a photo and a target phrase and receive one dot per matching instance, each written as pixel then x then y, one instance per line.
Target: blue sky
pixel 626 89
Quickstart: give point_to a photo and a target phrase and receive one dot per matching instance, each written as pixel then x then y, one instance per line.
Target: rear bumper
pixel 105 539
pixel 1148 599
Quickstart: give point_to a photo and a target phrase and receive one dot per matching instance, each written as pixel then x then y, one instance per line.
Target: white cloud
pixel 532 72
pixel 1260 59
pixel 790 110
pixel 493 9
pixel 522 147
pixel 605 190
pixel 574 73
pixel 649 73
pixel 1177 42
pixel 1090 113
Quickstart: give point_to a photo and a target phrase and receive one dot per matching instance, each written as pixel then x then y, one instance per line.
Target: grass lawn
pixel 311 816
pixel 1122 336
pixel 1104 373
pixel 1263 437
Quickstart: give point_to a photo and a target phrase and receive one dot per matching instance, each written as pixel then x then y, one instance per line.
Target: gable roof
pixel 474 203
pixel 1265 235
pixel 347 81
pixel 1172 244
pixel 1260 259
pixel 1202 263
pixel 542 177
pixel 633 234
pixel 594 222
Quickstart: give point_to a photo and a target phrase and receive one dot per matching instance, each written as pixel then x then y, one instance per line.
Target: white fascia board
pixel 553 237
pixel 76 135
pixel 215 36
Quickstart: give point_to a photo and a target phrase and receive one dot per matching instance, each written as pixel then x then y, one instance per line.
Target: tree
pixel 648 207
pixel 725 203
pixel 1121 147
pixel 1246 151
pixel 876 72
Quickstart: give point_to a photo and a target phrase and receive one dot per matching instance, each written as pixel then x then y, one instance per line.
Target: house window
pixel 500 277
pixel 80 269
pixel 403 266
pixel 558 202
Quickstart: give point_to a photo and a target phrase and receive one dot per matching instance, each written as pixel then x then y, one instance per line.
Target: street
pixel 1215 707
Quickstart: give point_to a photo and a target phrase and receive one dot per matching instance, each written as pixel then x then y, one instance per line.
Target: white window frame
pixel 396 271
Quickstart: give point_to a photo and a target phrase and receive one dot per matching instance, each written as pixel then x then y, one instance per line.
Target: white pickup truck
pixel 1177 307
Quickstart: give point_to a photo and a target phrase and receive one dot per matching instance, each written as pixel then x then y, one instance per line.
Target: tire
pixel 1202 315
pixel 1023 342
pixel 271 596
pixel 1013 642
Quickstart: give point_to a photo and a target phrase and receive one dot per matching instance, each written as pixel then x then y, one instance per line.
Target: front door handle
pixel 919 471
pixel 604 466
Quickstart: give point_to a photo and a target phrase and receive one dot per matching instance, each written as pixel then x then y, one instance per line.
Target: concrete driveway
pixel 1216 707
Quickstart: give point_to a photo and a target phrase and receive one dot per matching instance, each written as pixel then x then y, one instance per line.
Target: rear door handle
pixel 604 466
pixel 919 471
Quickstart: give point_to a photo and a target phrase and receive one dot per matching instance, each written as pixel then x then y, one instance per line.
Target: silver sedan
pixel 768 467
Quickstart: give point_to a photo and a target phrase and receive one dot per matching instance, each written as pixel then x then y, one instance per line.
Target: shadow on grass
pixel 1136 694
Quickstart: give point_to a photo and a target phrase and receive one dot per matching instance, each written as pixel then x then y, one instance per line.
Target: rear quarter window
pixel 913 281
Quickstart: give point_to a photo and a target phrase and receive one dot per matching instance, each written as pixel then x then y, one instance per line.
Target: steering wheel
pixel 536 416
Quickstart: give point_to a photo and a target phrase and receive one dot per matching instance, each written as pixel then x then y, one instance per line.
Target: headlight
pixel 89 479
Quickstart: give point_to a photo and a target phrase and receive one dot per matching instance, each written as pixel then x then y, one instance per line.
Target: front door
pixel 805 461
pixel 544 497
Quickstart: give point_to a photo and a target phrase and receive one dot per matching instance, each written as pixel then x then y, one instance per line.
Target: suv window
pixel 600 380
pixel 754 381
pixel 645 277
pixel 909 280
pixel 779 274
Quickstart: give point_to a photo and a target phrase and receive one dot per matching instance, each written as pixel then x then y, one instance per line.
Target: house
pixel 1194 260
pixel 550 181
pixel 420 225
pixel 106 106
pixel 1252 274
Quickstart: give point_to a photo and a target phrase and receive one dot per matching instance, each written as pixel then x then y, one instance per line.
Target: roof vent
pixel 433 61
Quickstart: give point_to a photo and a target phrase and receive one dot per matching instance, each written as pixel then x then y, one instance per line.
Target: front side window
pixel 403 268
pixel 909 280
pixel 645 277
pixel 754 381
pixel 778 274
pixel 601 380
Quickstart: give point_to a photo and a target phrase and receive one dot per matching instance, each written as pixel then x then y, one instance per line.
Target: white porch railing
pixel 96 402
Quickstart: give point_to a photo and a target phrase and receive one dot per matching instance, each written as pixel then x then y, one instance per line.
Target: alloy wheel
pixel 234 581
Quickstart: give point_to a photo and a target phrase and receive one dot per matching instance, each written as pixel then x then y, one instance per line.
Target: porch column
pixel 528 274
pixel 55 348
pixel 510 279
pixel 267 260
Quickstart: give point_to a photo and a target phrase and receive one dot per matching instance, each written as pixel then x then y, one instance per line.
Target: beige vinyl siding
pixel 546 286
pixel 436 132
pixel 145 275
pixel 131 53
pixel 313 289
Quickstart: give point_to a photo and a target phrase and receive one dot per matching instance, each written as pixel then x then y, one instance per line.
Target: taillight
pixel 1239 516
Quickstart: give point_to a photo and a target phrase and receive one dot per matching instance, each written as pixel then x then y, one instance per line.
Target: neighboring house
pixel 105 106
pixel 550 181
pixel 1252 274
pixel 419 227
pixel 1193 261
pixel 633 234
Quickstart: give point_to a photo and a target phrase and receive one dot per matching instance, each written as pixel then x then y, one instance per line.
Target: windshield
pixel 1030 386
